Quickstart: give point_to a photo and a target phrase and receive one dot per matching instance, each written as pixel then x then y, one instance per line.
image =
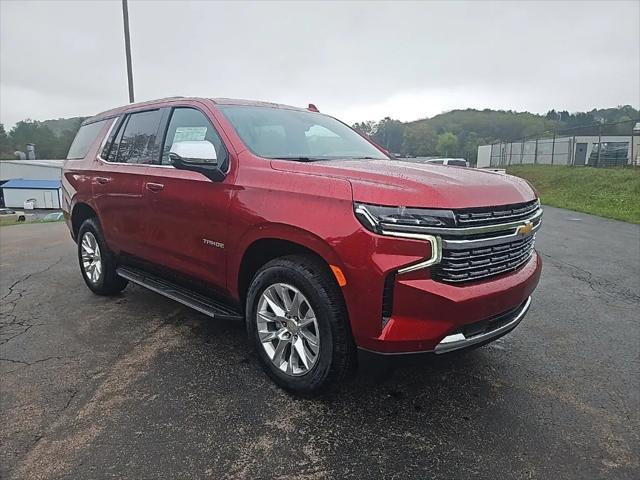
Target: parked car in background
pixel 53 217
pixel 291 221
pixel 8 215
pixel 452 162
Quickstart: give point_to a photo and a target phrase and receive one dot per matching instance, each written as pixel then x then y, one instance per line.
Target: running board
pixel 202 304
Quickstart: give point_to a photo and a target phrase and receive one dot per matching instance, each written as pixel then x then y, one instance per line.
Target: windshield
pixel 297 135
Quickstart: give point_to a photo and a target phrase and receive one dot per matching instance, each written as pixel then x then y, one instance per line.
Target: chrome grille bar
pixel 487 215
pixel 482 255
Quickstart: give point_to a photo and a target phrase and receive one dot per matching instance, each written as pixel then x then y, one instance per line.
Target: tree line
pixel 452 134
pixel 52 138
pixel 458 133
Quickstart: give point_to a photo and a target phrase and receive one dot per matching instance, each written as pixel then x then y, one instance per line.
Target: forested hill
pixel 456 133
pixel 459 132
pixel 51 137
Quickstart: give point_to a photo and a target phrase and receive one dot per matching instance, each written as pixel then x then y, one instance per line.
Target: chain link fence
pixel 599 145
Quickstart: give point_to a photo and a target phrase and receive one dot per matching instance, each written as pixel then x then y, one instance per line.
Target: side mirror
pixel 194 151
pixel 197 156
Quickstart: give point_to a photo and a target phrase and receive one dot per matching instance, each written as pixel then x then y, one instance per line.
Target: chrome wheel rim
pixel 288 329
pixel 91 260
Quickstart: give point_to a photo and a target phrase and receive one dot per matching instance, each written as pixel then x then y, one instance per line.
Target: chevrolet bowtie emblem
pixel 525 229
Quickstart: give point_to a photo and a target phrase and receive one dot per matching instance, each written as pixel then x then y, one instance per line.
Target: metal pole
pixel 535 155
pixel 510 151
pixel 503 152
pixel 631 160
pixel 127 47
pixel 553 147
pixel 599 144
pixel 573 150
pixel 521 150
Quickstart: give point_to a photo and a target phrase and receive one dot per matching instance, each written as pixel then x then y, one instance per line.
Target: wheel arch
pixel 80 212
pixel 275 242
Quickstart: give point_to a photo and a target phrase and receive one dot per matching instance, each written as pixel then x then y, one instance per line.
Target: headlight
pixel 380 218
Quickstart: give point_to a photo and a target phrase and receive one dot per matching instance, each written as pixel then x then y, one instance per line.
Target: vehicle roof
pixel 162 101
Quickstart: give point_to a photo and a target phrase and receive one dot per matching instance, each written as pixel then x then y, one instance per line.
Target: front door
pixel 581 154
pixel 186 212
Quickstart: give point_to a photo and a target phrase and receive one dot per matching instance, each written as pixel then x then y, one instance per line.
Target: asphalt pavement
pixel 139 387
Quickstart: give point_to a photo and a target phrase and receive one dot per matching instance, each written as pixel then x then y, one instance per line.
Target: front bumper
pixel 495 329
pixel 430 316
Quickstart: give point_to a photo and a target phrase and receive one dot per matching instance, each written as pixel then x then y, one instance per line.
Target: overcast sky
pixel 358 61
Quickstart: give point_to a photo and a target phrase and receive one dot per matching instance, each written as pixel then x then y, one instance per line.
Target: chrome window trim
pixel 436 249
pixel 134 164
pixel 106 139
pixel 467 230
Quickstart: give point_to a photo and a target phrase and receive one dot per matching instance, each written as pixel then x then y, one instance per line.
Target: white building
pixel 43 193
pixel 617 150
pixel 31 169
pixel 22 180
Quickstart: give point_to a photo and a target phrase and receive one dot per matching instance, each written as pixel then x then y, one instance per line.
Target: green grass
pixel 9 224
pixel 607 192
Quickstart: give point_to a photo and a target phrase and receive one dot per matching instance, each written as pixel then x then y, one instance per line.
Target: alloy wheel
pixel 91 260
pixel 288 329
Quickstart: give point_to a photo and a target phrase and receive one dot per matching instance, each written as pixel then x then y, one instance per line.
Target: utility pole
pixel 127 48
pixel 599 142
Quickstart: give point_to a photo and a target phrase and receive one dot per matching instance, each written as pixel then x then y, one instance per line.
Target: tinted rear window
pixel 139 138
pixel 84 139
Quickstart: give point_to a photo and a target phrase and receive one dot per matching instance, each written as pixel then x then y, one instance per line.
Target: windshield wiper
pixel 299 159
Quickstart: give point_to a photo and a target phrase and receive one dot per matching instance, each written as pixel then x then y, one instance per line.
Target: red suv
pixel 292 221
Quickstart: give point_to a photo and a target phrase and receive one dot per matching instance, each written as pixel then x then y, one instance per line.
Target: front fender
pixel 278 231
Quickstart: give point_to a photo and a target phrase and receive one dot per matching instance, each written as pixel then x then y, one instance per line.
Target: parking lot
pixel 140 387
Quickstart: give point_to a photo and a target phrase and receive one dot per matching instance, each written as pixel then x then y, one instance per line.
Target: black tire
pixel 337 355
pixel 21 218
pixel 108 283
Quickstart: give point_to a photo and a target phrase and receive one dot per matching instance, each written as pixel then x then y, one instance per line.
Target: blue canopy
pixel 32 184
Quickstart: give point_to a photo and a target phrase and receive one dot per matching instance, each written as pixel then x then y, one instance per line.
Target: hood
pixel 397 183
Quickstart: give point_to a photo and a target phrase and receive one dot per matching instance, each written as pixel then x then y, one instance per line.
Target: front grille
pixel 470 257
pixel 473 217
pixel 475 263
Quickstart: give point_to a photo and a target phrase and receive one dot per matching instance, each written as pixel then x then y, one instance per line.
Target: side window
pixel 191 124
pixel 136 140
pixel 84 139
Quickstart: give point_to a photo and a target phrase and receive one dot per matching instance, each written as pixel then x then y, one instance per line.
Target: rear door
pixel 186 212
pixel 118 180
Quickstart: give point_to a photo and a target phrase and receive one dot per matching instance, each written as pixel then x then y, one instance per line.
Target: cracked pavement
pixel 137 386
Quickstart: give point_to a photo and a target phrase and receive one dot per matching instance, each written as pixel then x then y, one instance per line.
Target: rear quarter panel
pixel 77 177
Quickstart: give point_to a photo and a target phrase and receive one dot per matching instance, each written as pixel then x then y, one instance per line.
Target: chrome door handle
pixel 154 187
pixel 102 180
